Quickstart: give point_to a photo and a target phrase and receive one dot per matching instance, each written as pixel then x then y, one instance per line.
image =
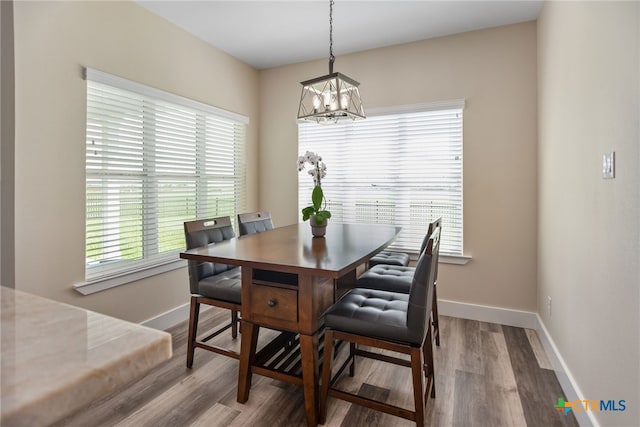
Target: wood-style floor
pixel 486 375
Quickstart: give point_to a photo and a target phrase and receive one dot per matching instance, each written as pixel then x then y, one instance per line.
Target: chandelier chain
pixel 331 57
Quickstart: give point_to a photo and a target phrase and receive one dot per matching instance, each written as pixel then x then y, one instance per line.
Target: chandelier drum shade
pixel 333 97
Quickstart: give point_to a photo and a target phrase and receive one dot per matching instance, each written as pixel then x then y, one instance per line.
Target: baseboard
pixel 169 318
pixel 485 313
pixel 172 317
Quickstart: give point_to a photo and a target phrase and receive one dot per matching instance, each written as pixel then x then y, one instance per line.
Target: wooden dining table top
pixel 293 248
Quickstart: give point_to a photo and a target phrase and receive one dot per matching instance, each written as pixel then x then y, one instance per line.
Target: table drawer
pixel 275 303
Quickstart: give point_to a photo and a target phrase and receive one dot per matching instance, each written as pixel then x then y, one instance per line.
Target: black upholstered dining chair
pixel 398 279
pixel 211 283
pixel 399 259
pixel 390 321
pixel 387 257
pixel 254 222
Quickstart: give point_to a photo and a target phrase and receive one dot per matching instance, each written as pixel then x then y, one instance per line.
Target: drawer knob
pixel 272 303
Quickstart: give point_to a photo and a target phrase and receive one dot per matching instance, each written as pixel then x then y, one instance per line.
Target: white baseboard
pixel 172 317
pixel 485 313
pixel 169 318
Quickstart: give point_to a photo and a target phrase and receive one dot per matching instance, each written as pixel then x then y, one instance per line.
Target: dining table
pixel 289 279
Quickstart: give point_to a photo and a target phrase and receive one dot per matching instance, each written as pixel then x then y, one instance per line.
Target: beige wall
pixel 53 42
pixel 495 71
pixel 588 248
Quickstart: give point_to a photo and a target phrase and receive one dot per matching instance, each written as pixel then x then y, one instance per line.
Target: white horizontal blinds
pixel 152 164
pixel 403 169
pixel 222 182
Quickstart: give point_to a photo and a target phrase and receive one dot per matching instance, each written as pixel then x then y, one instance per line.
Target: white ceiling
pixel 267 33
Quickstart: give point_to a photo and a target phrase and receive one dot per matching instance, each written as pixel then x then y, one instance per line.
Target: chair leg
pixel 234 324
pixel 352 354
pixel 417 376
pixel 326 374
pixel 429 369
pixel 193 329
pixel 436 322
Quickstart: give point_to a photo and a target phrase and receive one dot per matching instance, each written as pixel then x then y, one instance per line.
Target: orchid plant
pixel 318 171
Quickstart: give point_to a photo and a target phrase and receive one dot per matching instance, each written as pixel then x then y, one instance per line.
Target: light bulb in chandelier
pixel 344 102
pixel 327 100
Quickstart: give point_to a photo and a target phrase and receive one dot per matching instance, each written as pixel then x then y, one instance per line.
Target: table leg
pixel 247 356
pixel 309 355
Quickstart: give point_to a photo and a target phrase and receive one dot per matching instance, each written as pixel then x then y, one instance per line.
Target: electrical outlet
pixel 549 305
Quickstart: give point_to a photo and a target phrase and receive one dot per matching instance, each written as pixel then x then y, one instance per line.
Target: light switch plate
pixel 609 165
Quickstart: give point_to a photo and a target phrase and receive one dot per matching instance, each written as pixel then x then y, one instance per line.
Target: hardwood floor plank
pixel 270 404
pixel 363 370
pixel 538 350
pixel 538 388
pixel 114 408
pixel 336 413
pixel 490 327
pixel 470 359
pixel 218 416
pixel 460 351
pixel 445 364
pixel 500 383
pixel 471 409
pixel 391 377
pixel 184 402
pixel 337 409
pixel 360 416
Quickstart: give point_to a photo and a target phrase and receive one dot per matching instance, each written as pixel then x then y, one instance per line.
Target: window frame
pixel 205 117
pixel 456 256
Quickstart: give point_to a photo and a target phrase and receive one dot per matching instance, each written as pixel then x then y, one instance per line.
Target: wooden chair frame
pixel 196 300
pixel 194 314
pixel 420 361
pixel 250 217
pixel 435 320
pixel 421 364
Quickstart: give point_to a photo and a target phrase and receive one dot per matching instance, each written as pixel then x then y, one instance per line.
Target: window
pixel 153 161
pixel 399 167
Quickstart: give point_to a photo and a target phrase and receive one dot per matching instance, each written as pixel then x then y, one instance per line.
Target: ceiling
pixel 266 34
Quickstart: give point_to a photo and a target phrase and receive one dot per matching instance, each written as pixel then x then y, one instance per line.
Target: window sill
pixel 448 259
pixel 88 288
pixel 454 259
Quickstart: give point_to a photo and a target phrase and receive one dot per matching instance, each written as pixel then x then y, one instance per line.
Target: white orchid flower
pixel 318 170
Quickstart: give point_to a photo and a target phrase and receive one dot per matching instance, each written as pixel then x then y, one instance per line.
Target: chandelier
pixel 330 98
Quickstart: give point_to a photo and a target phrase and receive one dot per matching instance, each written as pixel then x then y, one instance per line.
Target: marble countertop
pixel 56 358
